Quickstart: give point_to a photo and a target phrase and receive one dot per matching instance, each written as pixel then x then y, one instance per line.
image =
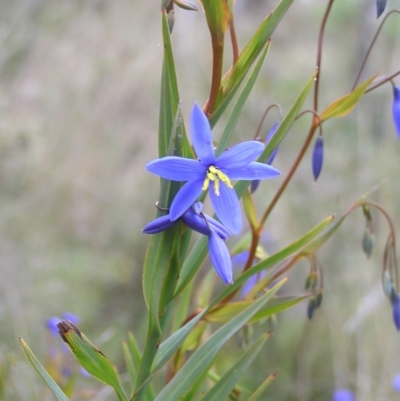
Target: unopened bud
pixel 396 311
pixel 387 284
pixel 310 308
pixel 367 242
pixel 311 281
pixel 186 5
pixel 318 157
pixel 396 109
pixel 380 7
pixel 318 299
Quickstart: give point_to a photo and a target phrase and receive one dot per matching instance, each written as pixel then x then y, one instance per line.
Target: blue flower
pixel 396 383
pixel 211 171
pixel 239 260
pixel 343 394
pixel 396 108
pixel 206 225
pixel 51 322
pixel 380 7
pixel 255 183
pixel 318 157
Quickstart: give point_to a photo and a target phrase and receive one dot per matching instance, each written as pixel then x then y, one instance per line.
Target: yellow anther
pixel 216 175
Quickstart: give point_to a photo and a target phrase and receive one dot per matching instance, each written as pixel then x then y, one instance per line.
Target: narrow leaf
pixel 227 383
pixel 257 394
pixel 40 370
pixel 172 344
pixel 288 121
pixel 346 104
pixel 199 362
pixel 228 311
pixel 90 357
pixel 236 74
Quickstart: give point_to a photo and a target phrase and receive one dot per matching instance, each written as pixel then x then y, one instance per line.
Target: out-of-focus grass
pixel 79 109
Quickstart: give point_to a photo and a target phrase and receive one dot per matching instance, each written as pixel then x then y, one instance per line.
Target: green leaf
pixel 130 366
pixel 249 54
pixel 346 104
pixel 239 103
pixel 90 357
pixel 218 16
pixel 40 370
pixel 172 344
pixel 256 394
pixel 170 99
pixel 226 312
pixel 166 250
pixel 288 121
pixel 228 381
pixel 273 259
pixel 199 362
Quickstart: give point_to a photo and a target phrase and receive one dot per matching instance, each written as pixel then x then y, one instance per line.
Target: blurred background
pixel 80 84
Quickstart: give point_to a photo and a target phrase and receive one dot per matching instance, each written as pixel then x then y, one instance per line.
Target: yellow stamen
pixel 216 175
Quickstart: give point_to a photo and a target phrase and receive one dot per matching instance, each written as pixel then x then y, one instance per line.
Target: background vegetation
pixel 79 84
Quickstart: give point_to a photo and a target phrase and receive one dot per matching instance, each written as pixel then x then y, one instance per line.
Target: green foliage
pixel 182 343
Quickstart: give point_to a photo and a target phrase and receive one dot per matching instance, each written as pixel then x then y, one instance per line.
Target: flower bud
pixel 388 288
pixel 310 308
pixel 368 242
pixel 396 109
pixel 380 7
pixel 311 281
pixel 396 311
pixel 318 157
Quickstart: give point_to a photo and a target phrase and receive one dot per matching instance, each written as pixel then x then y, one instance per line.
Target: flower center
pixel 216 175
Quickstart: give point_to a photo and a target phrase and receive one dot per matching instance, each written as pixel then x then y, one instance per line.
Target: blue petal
pixel 185 198
pixel 396 109
pixel 217 227
pixel 240 259
pixel 249 284
pixel 240 155
pixel 254 171
pixel 220 257
pixel 158 225
pixel 196 222
pixel 203 223
pixel 317 157
pixel 176 168
pixel 227 208
pixel 201 136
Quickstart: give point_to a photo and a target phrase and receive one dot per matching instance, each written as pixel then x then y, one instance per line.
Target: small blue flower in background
pixel 396 108
pixel 51 322
pixel 235 163
pixel 343 394
pixel 396 383
pixel 318 157
pixel 255 183
pixel 239 260
pixel 206 225
pixel 380 7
